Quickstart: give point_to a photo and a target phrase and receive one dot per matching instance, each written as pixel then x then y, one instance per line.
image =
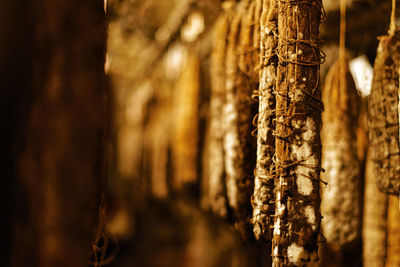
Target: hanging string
pixel 342 48
pixel 392 27
pixel 342 40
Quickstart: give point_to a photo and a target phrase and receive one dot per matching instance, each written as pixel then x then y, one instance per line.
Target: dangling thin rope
pixel 342 40
pixel 392 27
pixel 342 46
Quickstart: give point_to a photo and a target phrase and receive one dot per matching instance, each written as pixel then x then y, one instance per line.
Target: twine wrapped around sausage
pixel 297 143
pixel 263 207
pixel 383 114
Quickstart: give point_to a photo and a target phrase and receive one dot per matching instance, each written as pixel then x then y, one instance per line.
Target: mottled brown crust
pixel 393 234
pixel 374 220
pixel 246 109
pixel 217 198
pixel 341 198
pixel 239 145
pixel 258 9
pixel 298 145
pixel 383 115
pixel 263 207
